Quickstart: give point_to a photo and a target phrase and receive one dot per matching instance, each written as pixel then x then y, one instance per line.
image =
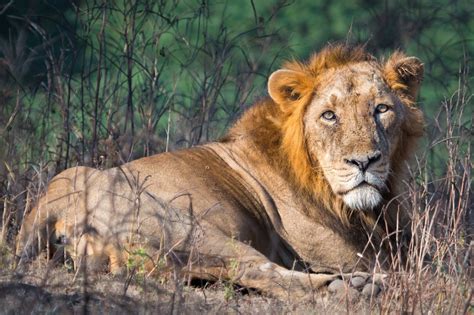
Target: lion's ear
pixel 287 86
pixel 404 74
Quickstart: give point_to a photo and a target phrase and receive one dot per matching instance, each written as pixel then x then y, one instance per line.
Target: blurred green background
pixel 102 82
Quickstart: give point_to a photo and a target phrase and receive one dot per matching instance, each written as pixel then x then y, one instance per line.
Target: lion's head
pixel 349 122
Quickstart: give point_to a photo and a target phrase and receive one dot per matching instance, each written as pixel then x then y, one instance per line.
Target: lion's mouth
pixel 365 184
pixel 362 184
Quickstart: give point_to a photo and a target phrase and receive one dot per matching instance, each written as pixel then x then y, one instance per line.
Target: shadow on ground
pixel 54 290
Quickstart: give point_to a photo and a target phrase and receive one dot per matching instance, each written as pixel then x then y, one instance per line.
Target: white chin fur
pixel 363 198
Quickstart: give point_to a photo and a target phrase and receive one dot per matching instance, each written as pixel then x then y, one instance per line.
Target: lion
pixel 305 186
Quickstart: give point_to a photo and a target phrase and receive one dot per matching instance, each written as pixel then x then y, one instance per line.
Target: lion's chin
pixel 364 198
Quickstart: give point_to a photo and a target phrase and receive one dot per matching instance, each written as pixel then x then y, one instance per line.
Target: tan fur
pixel 281 191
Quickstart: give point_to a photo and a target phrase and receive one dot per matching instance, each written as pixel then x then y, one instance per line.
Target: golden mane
pixel 278 129
pixel 332 56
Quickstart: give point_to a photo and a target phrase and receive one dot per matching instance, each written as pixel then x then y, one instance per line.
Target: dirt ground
pixel 55 290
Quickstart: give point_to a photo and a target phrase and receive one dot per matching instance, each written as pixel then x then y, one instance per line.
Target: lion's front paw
pixel 354 285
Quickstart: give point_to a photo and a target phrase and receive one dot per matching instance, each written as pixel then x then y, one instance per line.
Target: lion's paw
pixel 358 284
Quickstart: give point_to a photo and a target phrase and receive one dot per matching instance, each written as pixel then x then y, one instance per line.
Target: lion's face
pixel 346 116
pixel 351 129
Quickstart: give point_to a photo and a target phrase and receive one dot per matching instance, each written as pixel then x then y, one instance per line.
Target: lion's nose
pixel 363 162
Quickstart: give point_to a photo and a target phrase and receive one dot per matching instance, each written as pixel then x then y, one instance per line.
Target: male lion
pixel 303 187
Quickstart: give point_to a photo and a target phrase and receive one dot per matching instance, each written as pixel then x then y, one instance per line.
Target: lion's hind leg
pixel 31 238
pixel 62 198
pixel 36 234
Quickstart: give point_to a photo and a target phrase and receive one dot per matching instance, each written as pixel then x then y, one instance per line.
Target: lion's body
pixel 255 205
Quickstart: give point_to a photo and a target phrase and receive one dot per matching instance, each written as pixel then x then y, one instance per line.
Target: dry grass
pixel 437 276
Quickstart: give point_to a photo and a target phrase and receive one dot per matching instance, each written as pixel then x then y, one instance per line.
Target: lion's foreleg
pixel 241 264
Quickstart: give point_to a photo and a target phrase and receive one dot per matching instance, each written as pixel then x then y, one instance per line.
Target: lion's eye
pixel 329 115
pixel 381 108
